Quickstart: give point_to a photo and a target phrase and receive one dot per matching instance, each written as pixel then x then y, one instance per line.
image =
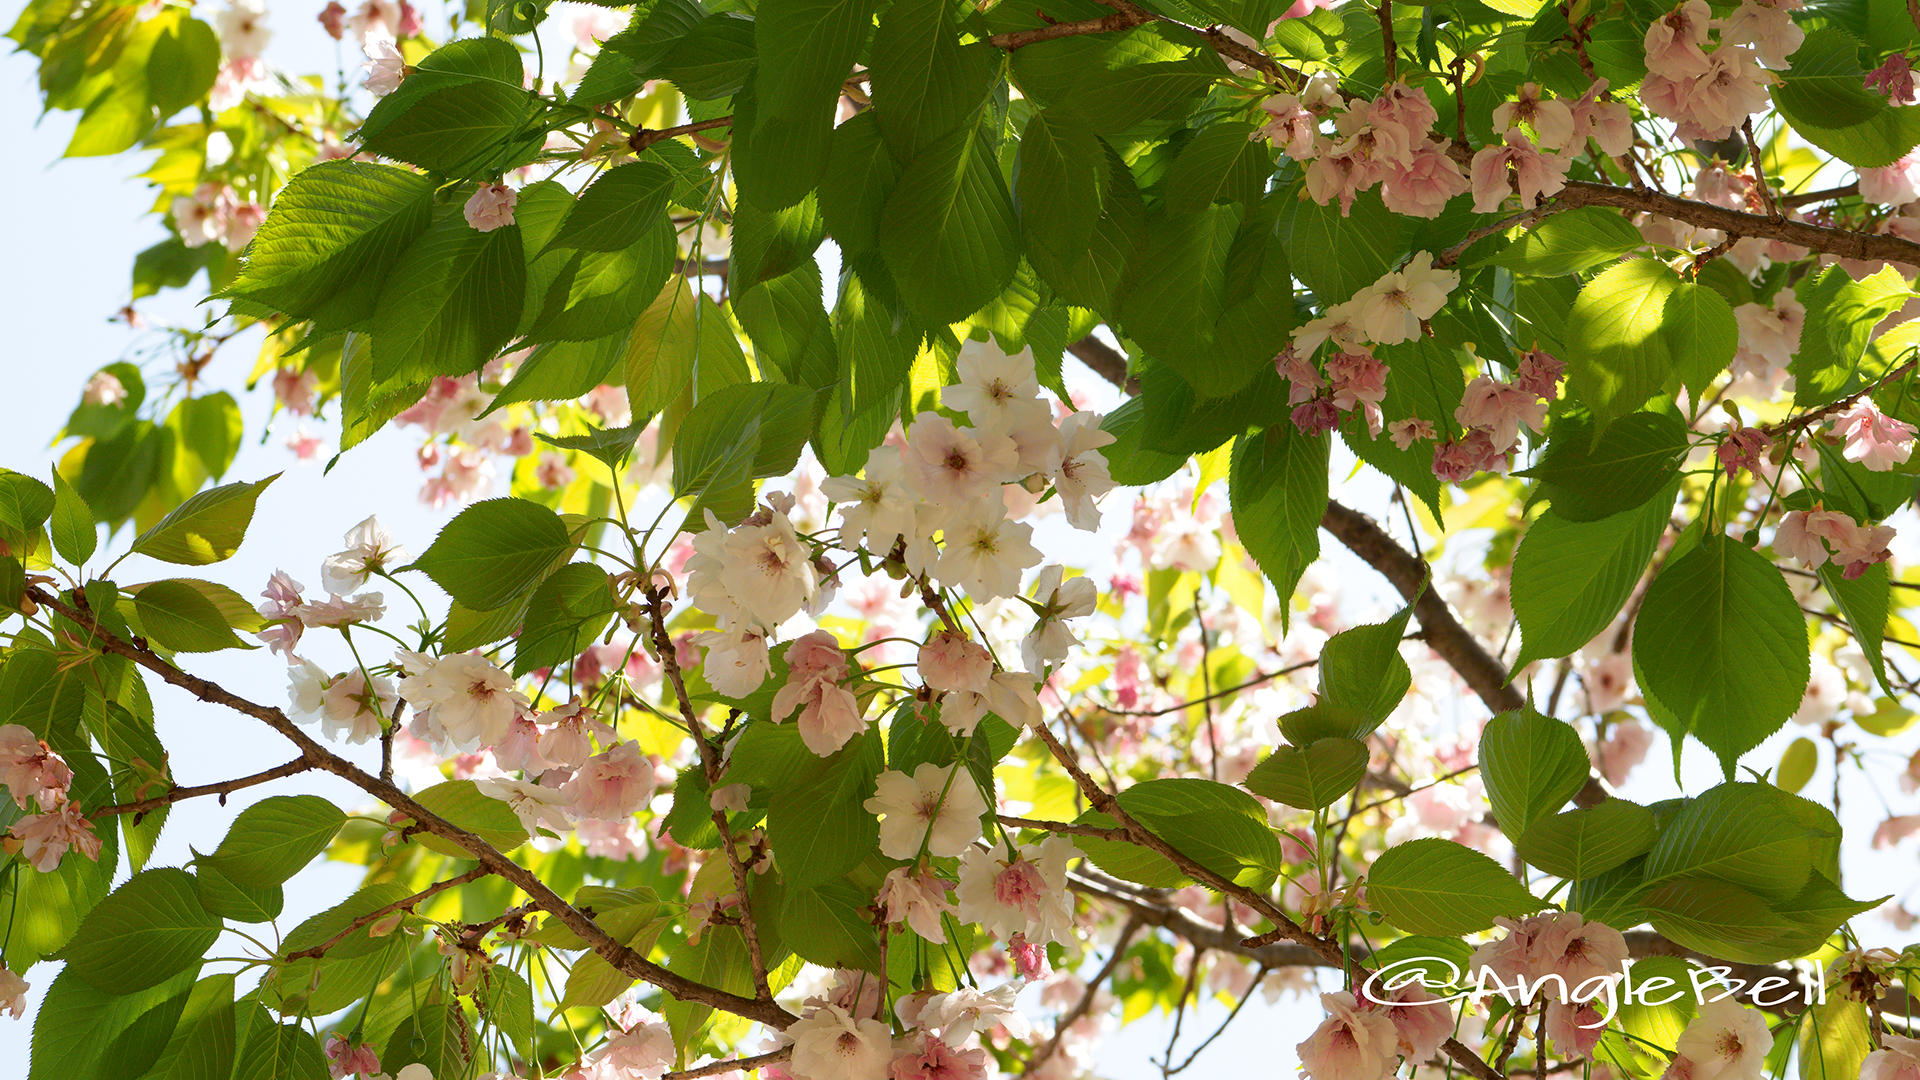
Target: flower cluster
pixel 40 781
pixel 1387 141
pixel 1491 414
pixel 1710 93
pixel 1390 311
pixel 1811 537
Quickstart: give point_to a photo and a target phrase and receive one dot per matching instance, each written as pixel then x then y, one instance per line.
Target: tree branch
pixel 645 137
pixel 743 1065
pixel 1085 1004
pixel 1845 243
pixel 223 789
pixel 1106 24
pixel 374 916
pixel 1065 828
pixel 1105 361
pixel 614 952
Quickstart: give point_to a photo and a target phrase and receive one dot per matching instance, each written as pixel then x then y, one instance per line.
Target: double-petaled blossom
pixel 1392 308
pixel 385 66
pixel 993 386
pixel 878 507
pixel 490 207
pixel 1574 1029
pixel 536 806
pixel 1608 123
pixel 829 1043
pixel 1425 183
pixel 1352 1043
pixel 1501 410
pixel 929 1057
pixel 960 1013
pixel 1290 127
pixel 949 662
pixel 1806 535
pixel 938 807
pixel 1560 947
pixel 1056 599
pixel 1459 459
pixel 1551 120
pixel 1078 469
pixel 614 783
pixel 354 709
pixel 1539 374
pixel 829 712
pixel 1674 41
pixel 1358 380
pixel 243 28
pixel 1026 894
pixel 1767 26
pixel 737 661
pixel 344 1058
pixel 1769 336
pixel 1405 433
pixel 952 467
pixel 917 899
pixel 1873 438
pixel 44 838
pixel 639 1046
pixel 344 610
pixel 985 552
pixel 1743 448
pixel 370 549
pixel 30 771
pixel 1897 1059
pixel 1304 381
pixel 1726 1041
pixel 461 702
pixel 1535 173
pixel 1421 1021
pixel 1317 416
pixel 760 573
pixel 1893 80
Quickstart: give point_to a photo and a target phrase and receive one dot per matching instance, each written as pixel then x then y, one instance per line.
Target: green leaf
pixel 1311 778
pixel 861 174
pixel 463 112
pixel 495 551
pixel 1834 1040
pixel 1361 669
pixel 459 802
pixel 1218 826
pixel 1702 334
pixel 806 49
pixel 183 65
pixel 740 433
pixel 1590 841
pixel 1752 835
pixel 770 243
pixel 82 1032
pixel 593 982
pixel 1797 763
pixel 1059 175
pixel 1223 163
pixel 1612 897
pixel 188 616
pixel 718 960
pixel 630 57
pixel 101 420
pixel 615 211
pixel 1091 276
pixel 1714 916
pixel 144 933
pixel 714 60
pixel 1841 316
pixel 273 839
pixel 1337 255
pixel 202 1045
pixel 210 425
pixel 1588 479
pixel 1436 886
pixel 597 293
pixel 1571 578
pixel 205 529
pixel 282 1052
pixel 1126 94
pixel 1568 243
pixel 1825 101
pixel 452 301
pixel 1532 765
pixel 561 371
pixel 825 925
pixel 1864 601
pixel 1277 485
pixel 25 503
pixel 948 232
pixel 334 233
pixel 925 83
pixel 1616 345
pixel 787 322
pixel 820 827
pixel 568 611
pixel 1721 642
pixel 326 925
pixel 240 903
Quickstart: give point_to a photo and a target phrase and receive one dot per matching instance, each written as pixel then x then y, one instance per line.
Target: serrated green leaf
pixel 1532 765
pixel 1436 886
pixel 495 551
pixel 145 932
pixel 274 838
pixel 207 528
pixel 1310 778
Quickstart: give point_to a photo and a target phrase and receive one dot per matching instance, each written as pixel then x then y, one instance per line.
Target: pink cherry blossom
pixel 334 18
pixel 1624 748
pixel 1768 28
pixel 1897 1059
pixel 345 1059
pixel 1352 1043
pixel 1551 120
pixel 1894 79
pixel 917 900
pixel 1673 43
pixel 1406 432
pixel 1855 546
pixel 30 771
pixel 491 207
pixel 1421 1020
pixel 948 466
pixel 1743 448
pixel 949 662
pixel 1501 409
pixel 1768 336
pixel 1895 184
pixel 1316 417
pixel 1873 438
pixel 1574 1029
pixel 1734 88
pixel 1535 173
pixel 612 784
pixel 13 994
pixel 829 713
pixel 1029 959
pixel 1609 123
pixel 931 1059
pixel 1303 379
pixel 1292 129
pixel 45 838
pixel 385 67
pixel 1539 374
pixel 1424 185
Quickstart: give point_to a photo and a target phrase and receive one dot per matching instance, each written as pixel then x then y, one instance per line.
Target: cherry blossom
pixel 938 807
pixel 1292 129
pixel 1873 438
pixel 877 508
pixel 985 553
pixel 1406 432
pixel 993 386
pixel 1767 26
pixel 1897 1059
pixel 829 1044
pixel 927 1057
pixel 1396 305
pixel 1078 469
pixel 385 66
pixel 30 771
pixel 468 702
pixel 916 899
pixel 354 710
pixel 1551 120
pixel 243 30
pixel 951 467
pixel 1026 894
pixel 1743 448
pixel 1769 336
pixel 959 1013
pixel 737 661
pixel 370 549
pixel 1535 173
pixel 1420 1020
pixel 1624 748
pixel 1608 123
pixel 829 713
pixel 490 207
pixel 1673 42
pixel 537 807
pixel 1726 1041
pixel 45 837
pixel 1352 1043
pixel 13 994
pixel 1501 410
pixel 1057 600
pixel 639 1047
pixel 612 784
pixel 104 388
pixel 1894 80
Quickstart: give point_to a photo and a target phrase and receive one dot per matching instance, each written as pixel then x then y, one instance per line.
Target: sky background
pixel 72 236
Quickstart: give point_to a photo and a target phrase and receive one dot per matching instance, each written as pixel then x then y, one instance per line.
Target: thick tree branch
pixel 1845 243
pixel 614 952
pixel 222 789
pixel 1065 828
pixel 645 137
pixel 742 1065
pixel 1105 361
pixel 1106 24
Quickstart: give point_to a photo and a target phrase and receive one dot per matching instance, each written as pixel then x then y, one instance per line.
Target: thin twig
pixel 1085 1004
pixel 374 916
pixel 745 1064
pixel 222 789
pixel 1065 828
pixel 645 137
